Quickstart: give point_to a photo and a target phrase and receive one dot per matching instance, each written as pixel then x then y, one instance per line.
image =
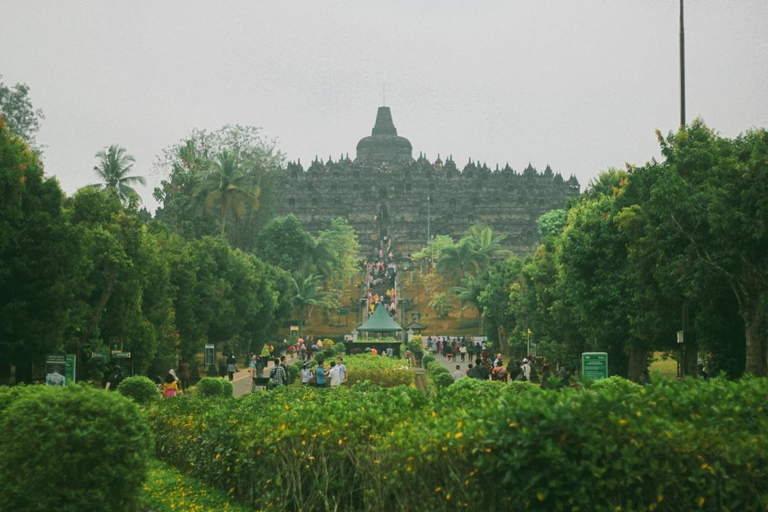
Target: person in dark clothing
pixel 115 378
pixel 231 366
pixel 479 371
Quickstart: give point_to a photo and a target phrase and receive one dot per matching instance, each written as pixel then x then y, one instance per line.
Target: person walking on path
pixel 277 375
pixel 526 370
pixel 231 366
pixel 115 378
pixel 458 373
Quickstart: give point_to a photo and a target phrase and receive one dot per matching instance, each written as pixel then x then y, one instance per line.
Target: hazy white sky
pixel 580 85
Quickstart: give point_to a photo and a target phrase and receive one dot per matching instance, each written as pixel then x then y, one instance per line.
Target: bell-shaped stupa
pixel 384 146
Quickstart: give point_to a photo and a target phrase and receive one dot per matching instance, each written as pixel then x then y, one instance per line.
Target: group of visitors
pixel 323 377
pixel 456 347
pixel 381 272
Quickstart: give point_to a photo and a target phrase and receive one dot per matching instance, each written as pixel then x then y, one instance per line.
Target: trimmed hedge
pixel 211 387
pixel 485 446
pixel 440 375
pixel 377 370
pixel 72 448
pixel 140 389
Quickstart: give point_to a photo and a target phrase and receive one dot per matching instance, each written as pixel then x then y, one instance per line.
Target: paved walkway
pixel 452 365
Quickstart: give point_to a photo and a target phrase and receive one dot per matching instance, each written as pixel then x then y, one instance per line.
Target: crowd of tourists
pixel 482 366
pixel 381 272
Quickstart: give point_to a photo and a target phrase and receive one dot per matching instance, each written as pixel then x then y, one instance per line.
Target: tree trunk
pixel 755 331
pixel 638 363
pixel 99 308
pixel 503 347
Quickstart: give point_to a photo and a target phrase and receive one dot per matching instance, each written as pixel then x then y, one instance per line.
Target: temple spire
pixel 384 124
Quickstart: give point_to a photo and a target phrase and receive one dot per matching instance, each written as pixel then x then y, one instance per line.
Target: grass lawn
pixel 168 490
pixel 667 367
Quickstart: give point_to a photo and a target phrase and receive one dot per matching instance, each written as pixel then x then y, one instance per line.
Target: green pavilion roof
pixel 379 321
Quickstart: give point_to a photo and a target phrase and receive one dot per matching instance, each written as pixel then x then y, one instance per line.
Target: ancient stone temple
pixel 385 191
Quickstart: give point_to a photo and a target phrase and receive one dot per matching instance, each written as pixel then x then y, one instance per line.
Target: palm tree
pixel 469 293
pixel 456 261
pixel 485 246
pixel 308 294
pixel 114 165
pixel 228 184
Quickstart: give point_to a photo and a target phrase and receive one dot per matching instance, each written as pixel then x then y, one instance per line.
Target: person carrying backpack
pixel 277 376
pixel 499 372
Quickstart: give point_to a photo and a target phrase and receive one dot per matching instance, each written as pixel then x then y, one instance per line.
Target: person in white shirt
pixel 526 370
pixel 458 373
pixel 342 369
pixel 334 374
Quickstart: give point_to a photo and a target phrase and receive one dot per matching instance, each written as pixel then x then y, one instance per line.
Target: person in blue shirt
pixel 321 375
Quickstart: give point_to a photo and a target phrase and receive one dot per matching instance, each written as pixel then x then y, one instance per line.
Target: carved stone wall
pixel 384 191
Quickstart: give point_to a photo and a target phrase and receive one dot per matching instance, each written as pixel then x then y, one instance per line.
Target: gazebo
pixel 379 323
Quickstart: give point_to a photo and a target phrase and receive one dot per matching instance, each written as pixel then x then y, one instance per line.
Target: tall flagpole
pixel 682 66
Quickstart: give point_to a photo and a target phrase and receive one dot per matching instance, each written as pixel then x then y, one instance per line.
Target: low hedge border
pixel 480 446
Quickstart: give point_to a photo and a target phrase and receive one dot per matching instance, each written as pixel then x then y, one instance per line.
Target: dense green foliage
pixel 439 374
pixel 220 181
pixel 72 449
pixel 79 274
pixel 675 245
pixel 210 386
pixel 22 118
pixel 674 445
pixel 140 389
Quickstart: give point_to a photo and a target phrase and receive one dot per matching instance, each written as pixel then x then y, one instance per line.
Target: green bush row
pixel 71 448
pixel 439 374
pixel 214 387
pixel 487 446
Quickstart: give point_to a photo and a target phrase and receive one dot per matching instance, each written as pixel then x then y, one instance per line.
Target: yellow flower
pixel 438 489
pixel 458 435
pixel 702 501
pixel 540 496
pixel 622 421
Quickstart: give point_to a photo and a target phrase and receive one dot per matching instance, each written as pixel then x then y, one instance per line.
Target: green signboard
pixel 69 368
pixel 121 355
pixel 594 365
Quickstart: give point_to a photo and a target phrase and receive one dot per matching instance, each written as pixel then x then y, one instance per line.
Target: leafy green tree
pixel 186 165
pixel 430 255
pixel 503 278
pixel 551 224
pixel 20 116
pixel 442 305
pixel 36 259
pixel 341 241
pixel 705 205
pixel 285 243
pixel 114 166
